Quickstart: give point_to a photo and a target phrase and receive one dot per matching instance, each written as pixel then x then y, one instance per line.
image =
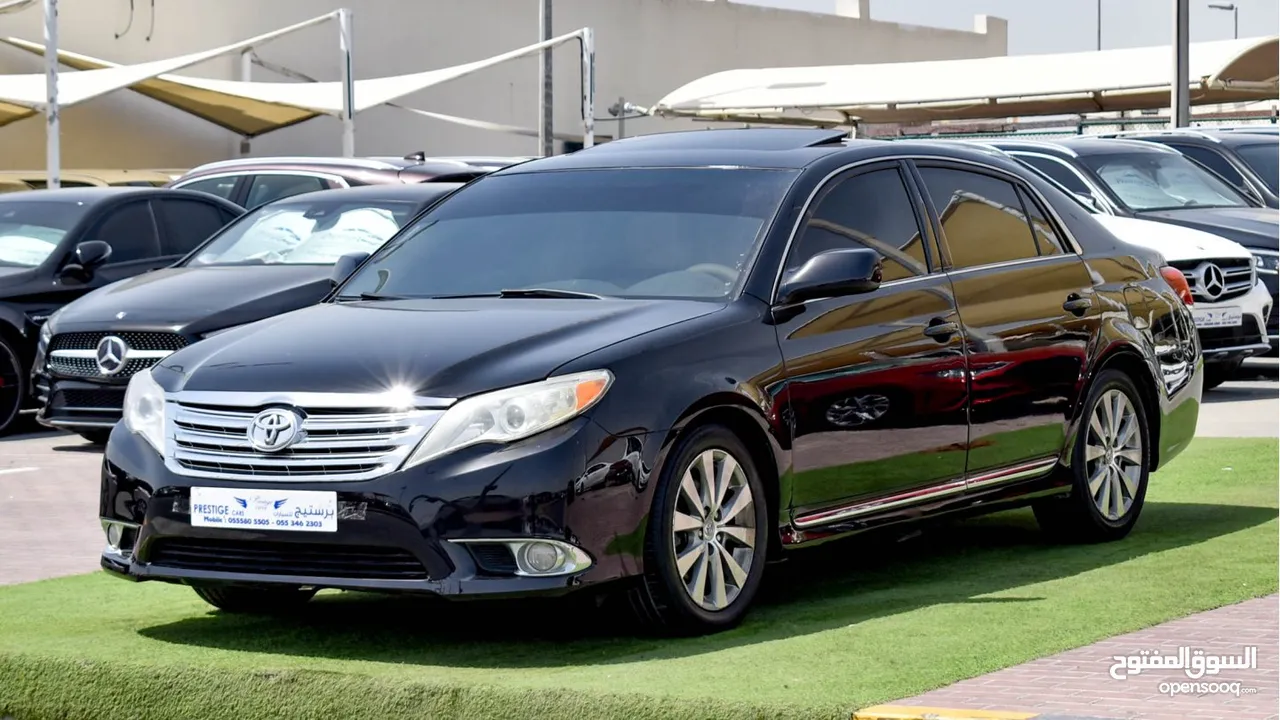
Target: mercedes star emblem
pixel 274 429
pixel 111 354
pixel 1212 281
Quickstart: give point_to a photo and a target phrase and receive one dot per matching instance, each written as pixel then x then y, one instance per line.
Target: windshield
pixel 1162 181
pixel 1264 160
pixel 30 231
pixel 672 232
pixel 305 233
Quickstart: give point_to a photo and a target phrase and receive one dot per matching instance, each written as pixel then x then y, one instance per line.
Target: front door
pixel 1030 315
pixel 875 383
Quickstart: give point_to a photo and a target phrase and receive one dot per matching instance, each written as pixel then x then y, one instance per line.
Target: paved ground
pixel 48 527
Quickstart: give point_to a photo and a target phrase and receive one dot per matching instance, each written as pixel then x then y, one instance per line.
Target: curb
pixel 907 712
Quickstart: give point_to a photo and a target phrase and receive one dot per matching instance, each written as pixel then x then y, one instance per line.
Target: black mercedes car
pixel 1146 180
pixel 278 257
pixel 57 245
pixel 587 372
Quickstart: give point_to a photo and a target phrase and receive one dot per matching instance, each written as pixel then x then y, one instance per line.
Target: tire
pixel 97 437
pixel 1079 517
pixel 254 600
pixel 1217 373
pixel 663 599
pixel 13 385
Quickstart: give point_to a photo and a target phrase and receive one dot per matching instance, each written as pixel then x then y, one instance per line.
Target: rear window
pixel 1264 159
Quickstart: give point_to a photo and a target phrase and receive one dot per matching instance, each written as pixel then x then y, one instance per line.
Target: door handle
pixel 1077 304
pixel 940 330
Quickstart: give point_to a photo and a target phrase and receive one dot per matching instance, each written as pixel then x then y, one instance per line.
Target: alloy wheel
pixel 714 529
pixel 10 386
pixel 1113 454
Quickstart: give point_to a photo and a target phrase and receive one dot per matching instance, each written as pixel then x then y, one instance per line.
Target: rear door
pixel 875 382
pixel 1029 310
pixel 268 187
pixel 186 222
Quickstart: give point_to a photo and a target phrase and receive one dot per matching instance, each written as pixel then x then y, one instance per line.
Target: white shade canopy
pixel 1052 84
pixel 247 108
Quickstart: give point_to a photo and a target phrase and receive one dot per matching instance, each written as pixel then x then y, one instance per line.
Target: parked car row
pixel 638 369
pixel 148 266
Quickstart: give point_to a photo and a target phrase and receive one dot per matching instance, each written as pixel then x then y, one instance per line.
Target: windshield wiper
pixel 548 293
pixel 375 296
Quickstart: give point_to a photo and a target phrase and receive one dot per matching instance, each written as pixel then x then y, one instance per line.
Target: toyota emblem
pixel 1212 281
pixel 274 429
pixel 111 355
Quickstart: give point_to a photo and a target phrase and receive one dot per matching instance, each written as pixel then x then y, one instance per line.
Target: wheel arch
pixel 1129 360
pixel 746 421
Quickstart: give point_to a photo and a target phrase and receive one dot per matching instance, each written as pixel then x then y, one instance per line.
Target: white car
pixel 1231 303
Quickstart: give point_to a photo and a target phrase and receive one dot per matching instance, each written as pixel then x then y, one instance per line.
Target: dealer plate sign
pixel 1212 317
pixel 250 509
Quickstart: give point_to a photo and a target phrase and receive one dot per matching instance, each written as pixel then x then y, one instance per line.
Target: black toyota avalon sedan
pixel 652 366
pixel 278 257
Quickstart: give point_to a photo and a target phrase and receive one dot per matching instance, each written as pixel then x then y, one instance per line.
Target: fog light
pixel 542 557
pixel 121 537
pixel 114 533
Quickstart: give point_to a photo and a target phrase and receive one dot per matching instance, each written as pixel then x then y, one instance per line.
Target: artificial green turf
pixel 847 625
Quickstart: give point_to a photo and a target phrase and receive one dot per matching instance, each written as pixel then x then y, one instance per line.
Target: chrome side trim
pixel 1061 227
pixel 79 423
pixel 912 497
pixel 368 162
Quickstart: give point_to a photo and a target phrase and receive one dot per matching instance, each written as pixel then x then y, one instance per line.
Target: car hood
pixel 1174 242
pixel 437 348
pixel 194 300
pixel 1251 227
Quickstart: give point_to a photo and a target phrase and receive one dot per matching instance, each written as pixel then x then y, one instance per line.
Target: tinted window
pixel 187 223
pixel 1058 171
pixel 1162 181
pixel 130 232
pixel 1264 160
pixel 31 231
pixel 630 233
pixel 42 184
pixel 266 188
pixel 982 217
pixel 1214 161
pixel 221 186
pixel 1047 240
pixel 870 210
pixel 294 232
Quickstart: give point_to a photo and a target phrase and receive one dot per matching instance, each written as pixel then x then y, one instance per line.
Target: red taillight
pixel 1178 282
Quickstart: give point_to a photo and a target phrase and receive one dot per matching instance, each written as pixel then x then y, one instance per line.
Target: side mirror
pixel 1088 199
pixel 346 265
pixel 92 253
pixel 834 273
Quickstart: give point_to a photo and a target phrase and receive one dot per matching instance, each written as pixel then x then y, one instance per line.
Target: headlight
pixel 46 333
pixel 144 409
pixel 512 414
pixel 1266 262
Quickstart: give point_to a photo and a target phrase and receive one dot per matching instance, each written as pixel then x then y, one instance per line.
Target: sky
pixel 1050 26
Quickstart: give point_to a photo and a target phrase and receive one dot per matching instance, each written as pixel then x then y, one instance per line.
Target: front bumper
pixel 403 532
pixel 1250 338
pixel 77 404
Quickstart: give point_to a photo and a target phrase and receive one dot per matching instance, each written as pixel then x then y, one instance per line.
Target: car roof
pixel 1209 137
pixel 1077 145
pixel 89 195
pixel 413 191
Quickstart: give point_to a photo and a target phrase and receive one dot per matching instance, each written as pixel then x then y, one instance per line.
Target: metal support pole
pixel 53 159
pixel 588 88
pixel 546 107
pixel 1099 24
pixel 622 117
pixel 1180 96
pixel 348 85
pixel 246 75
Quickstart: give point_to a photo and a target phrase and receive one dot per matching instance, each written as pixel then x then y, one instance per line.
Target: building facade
pixel 644 48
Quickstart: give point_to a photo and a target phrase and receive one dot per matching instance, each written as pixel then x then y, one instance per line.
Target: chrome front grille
pixel 75 354
pixel 335 444
pixel 1236 277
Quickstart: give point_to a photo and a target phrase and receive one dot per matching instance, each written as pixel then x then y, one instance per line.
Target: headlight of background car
pixel 144 409
pixel 512 414
pixel 1266 262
